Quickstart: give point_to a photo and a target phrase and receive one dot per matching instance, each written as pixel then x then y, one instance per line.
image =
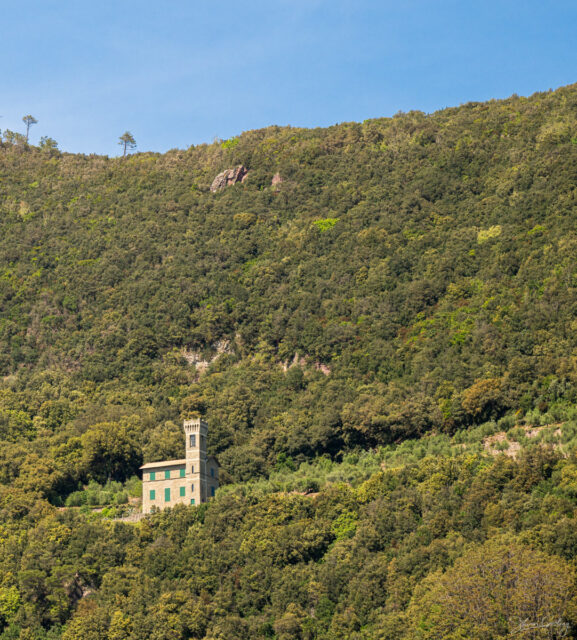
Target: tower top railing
pixel 195 425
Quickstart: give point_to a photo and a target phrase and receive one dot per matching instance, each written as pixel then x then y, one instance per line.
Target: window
pixel 182 472
pixel 182 492
pixel 191 468
pixel 192 501
pixel 152 475
pixel 192 440
pixel 167 475
pixel 212 472
pixel 212 491
pixel 167 495
pixel 192 488
pixel 152 494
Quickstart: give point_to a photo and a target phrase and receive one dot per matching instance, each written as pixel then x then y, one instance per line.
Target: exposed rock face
pixel 276 179
pixel 303 361
pixel 228 178
pixel 323 368
pixel 195 358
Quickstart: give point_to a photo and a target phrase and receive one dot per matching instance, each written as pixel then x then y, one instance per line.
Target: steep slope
pixel 418 270
pixel 401 278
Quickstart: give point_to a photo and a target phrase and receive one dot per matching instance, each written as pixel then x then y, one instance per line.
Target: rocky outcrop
pixel 77 588
pixel 303 361
pixel 195 359
pixel 276 180
pixel 228 178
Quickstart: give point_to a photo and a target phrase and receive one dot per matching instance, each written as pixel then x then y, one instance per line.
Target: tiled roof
pixel 163 463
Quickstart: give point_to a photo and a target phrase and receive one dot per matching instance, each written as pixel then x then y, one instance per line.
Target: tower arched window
pixel 193 439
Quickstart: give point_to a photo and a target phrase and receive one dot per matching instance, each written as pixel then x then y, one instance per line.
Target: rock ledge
pixel 228 178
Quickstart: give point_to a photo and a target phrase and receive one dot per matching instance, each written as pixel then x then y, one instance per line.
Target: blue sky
pixel 182 72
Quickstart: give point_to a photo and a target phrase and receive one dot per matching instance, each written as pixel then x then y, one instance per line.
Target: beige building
pixel 192 480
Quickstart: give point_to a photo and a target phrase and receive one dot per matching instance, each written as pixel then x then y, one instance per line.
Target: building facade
pixel 192 480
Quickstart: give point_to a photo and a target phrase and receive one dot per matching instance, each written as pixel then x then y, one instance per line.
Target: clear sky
pixel 182 72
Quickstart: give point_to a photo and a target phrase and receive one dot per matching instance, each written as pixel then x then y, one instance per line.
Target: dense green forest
pixel 401 281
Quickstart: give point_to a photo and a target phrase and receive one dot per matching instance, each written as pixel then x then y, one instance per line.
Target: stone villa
pixel 192 480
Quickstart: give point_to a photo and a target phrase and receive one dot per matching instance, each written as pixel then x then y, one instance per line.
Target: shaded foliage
pixel 402 555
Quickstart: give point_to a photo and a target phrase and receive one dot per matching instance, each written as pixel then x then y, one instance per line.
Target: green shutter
pixel 167 495
pixel 152 475
pixel 167 475
pixel 182 472
pixel 152 494
pixel 192 501
pixel 182 492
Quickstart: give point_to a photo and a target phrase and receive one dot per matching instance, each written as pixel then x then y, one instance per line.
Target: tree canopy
pixel 127 142
pixel 400 282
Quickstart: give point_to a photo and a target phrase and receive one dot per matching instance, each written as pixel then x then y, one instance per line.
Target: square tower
pixel 195 432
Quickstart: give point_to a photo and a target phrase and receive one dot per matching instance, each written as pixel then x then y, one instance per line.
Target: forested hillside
pixel 407 277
